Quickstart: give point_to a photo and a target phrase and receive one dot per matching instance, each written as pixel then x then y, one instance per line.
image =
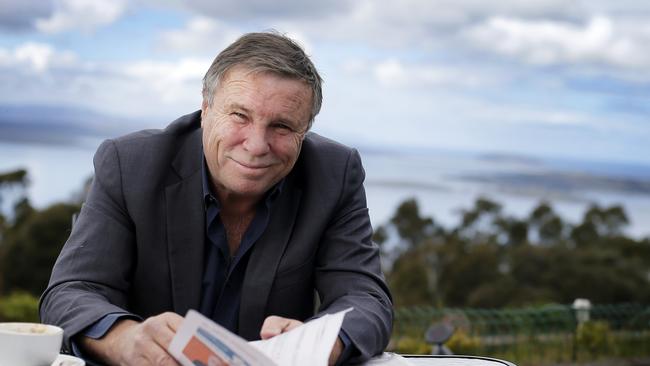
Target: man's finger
pixel 336 351
pixel 156 355
pixel 163 328
pixel 274 325
pixel 163 358
pixel 174 321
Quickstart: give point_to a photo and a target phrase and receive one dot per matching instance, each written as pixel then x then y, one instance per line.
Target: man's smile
pixel 252 166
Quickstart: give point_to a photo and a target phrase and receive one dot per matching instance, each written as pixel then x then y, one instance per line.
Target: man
pixel 234 210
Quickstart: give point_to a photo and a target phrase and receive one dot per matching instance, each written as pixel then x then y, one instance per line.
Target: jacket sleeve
pixel 348 270
pixel 91 277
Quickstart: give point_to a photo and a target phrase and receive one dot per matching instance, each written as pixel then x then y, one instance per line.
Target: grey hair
pixel 266 52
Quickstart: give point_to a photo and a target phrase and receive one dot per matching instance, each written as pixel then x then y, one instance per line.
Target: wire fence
pixel 531 336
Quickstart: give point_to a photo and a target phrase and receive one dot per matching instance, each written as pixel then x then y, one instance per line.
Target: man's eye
pixel 238 115
pixel 282 128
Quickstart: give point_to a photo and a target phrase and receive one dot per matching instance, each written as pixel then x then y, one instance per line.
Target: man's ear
pixel 204 110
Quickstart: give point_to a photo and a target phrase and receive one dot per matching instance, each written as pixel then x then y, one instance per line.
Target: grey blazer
pixel 138 243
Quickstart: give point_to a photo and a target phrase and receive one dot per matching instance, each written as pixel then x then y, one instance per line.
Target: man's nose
pixel 257 141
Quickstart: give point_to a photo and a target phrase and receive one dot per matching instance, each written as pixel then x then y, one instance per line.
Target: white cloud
pixel 406 23
pixel 170 82
pixel 406 12
pixel 250 9
pixel 449 14
pixel 552 42
pixel 201 35
pixel 513 114
pixel 85 15
pixel 40 73
pixel 393 73
pixel 444 117
pixel 19 15
pixel 436 25
pixel 36 57
pixel 302 40
pixel 207 36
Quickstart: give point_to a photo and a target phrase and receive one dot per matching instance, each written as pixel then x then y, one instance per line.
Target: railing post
pixel 581 308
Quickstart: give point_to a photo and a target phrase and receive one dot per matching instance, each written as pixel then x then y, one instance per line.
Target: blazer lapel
pixel 264 260
pixel 185 226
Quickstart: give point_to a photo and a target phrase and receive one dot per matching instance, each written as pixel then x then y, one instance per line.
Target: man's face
pixel 253 132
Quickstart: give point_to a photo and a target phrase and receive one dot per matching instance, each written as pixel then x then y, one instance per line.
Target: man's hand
pixel 131 343
pixel 275 325
pixel 336 352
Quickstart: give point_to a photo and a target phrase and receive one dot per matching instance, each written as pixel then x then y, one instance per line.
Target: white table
pixel 455 360
pixel 392 359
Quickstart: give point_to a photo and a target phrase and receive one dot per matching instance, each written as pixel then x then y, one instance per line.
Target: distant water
pixel 55 172
pixel 439 181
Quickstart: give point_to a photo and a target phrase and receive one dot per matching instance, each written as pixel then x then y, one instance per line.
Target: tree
pixel 16 179
pixel 596 273
pixel 609 221
pixel 9 182
pixel 548 226
pixel 512 231
pixel 412 280
pixel 486 261
pixel 412 227
pixel 480 224
pixel 464 272
pixel 599 224
pixel 30 248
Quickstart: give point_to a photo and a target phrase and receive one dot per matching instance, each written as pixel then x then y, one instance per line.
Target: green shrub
pixel 412 346
pixel 19 307
pixel 594 338
pixel 463 343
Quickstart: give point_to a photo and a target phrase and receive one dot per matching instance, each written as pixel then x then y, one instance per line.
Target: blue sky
pixel 543 78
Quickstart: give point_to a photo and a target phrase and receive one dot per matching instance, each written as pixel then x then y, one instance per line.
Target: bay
pixel 443 182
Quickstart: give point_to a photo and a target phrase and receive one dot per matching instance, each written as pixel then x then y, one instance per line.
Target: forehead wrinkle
pixel 289 111
pixel 295 102
pixel 238 90
pixel 225 99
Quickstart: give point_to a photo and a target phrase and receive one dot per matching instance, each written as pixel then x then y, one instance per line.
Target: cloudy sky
pixel 540 77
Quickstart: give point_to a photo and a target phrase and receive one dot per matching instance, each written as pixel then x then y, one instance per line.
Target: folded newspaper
pixel 201 342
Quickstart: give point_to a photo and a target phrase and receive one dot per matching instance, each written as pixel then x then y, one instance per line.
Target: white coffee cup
pixel 29 344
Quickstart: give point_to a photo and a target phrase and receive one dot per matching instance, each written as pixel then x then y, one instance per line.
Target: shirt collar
pixel 209 196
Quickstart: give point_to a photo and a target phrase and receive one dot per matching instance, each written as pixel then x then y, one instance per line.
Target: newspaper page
pixel 308 344
pixel 201 342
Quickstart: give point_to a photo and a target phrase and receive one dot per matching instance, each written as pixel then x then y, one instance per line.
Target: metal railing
pixel 537 335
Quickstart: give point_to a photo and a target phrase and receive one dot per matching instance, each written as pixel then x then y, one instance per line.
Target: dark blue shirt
pixel 223 273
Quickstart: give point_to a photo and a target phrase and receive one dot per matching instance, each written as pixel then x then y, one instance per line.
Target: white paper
pixel 201 342
pixel 308 344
